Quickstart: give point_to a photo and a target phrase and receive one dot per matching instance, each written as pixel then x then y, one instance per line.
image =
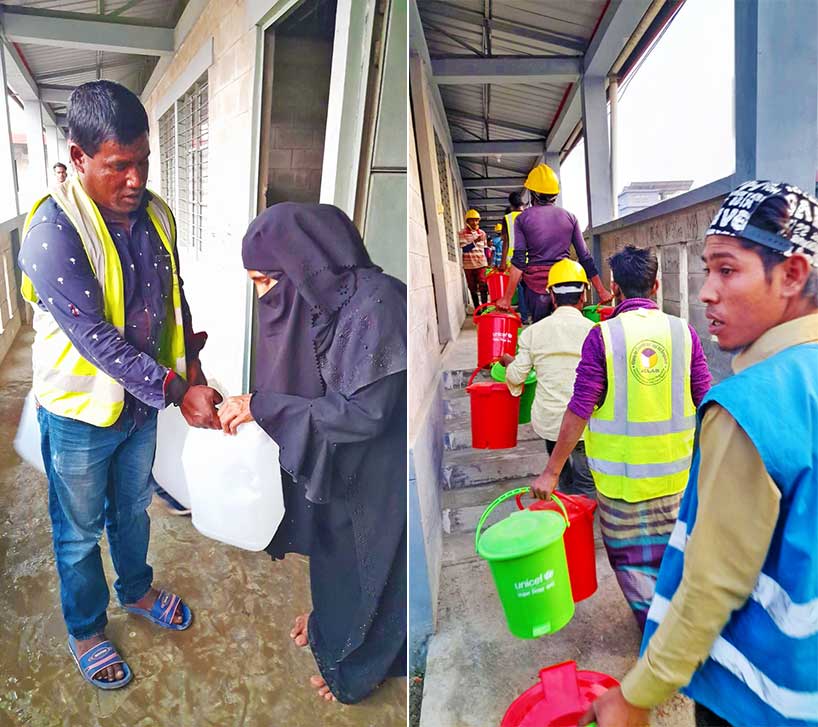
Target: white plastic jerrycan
pixel 171 435
pixel 234 484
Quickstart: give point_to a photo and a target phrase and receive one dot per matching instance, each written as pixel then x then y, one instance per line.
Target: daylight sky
pixel 675 111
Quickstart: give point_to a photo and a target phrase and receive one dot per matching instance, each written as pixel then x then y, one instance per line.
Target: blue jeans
pixel 98 476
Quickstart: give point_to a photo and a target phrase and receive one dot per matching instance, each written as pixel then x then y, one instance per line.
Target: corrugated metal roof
pixel 516 28
pixel 164 13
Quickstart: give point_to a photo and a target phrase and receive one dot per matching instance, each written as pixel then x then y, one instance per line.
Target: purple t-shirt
pixel 546 234
pixel 53 257
pixel 591 383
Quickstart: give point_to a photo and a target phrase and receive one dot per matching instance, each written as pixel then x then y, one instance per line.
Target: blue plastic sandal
pixel 97 658
pixel 163 610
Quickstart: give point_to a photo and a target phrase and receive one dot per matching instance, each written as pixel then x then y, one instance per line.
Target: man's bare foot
pixel 148 600
pixel 322 688
pixel 109 673
pixel 299 631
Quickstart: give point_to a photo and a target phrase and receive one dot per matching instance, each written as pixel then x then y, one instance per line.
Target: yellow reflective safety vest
pixel 509 218
pixel 64 382
pixel 640 441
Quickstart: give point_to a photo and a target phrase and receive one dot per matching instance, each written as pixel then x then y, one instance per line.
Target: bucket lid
pixel 484 388
pixel 521 533
pixel 498 373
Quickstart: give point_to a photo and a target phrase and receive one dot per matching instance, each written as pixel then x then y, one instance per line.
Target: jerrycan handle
pixel 517 492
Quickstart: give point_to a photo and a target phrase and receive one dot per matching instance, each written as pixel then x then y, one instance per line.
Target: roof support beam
pixel 618 24
pixel 446 10
pixel 91 32
pixel 29 90
pixel 517 147
pixel 513 69
pixel 466 116
pixel 55 94
pixel 494 183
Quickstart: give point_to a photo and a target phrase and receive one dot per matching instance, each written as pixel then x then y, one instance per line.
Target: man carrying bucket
pixel 734 617
pixel 552 347
pixel 640 378
pixel 473 243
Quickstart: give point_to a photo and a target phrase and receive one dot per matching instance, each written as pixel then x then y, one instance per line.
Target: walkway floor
pixel 235 667
pixel 475 667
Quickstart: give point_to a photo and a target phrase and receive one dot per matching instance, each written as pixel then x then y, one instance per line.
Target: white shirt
pixel 552 347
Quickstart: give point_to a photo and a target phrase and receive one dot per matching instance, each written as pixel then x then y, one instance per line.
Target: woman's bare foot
pixel 299 631
pixel 108 674
pixel 322 688
pixel 148 600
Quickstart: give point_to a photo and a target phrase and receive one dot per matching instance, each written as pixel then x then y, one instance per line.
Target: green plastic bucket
pixel 526 555
pixel 591 312
pixel 498 373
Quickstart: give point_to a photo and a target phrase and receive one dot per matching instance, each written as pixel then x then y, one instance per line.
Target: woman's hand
pixel 234 412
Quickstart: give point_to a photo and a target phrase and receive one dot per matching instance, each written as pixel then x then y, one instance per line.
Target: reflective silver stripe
pixel 796 620
pixel 104 388
pixel 678 422
pixel 659 607
pixel 639 471
pixel 789 703
pixel 678 538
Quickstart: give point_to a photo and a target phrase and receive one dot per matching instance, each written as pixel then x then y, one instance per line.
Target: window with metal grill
pixel 192 133
pixel 167 156
pixel 443 178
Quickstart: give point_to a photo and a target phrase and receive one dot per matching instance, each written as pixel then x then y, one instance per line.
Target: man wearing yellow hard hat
pixel 543 235
pixel 553 348
pixel 473 243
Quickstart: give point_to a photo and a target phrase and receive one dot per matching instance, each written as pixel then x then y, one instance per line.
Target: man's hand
pixel 234 412
pixel 503 303
pixel 506 359
pixel 199 407
pixel 604 296
pixel 612 710
pixel 545 484
pixel 195 375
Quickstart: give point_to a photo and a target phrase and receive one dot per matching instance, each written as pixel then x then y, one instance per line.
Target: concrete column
pixel 52 150
pixel 613 92
pixel 776 98
pixel 9 204
pixel 597 154
pixel 552 159
pixel 37 176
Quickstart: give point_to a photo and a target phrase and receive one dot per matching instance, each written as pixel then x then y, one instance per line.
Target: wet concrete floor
pixel 235 667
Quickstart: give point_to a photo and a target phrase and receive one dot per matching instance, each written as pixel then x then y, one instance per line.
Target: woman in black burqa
pixel 330 389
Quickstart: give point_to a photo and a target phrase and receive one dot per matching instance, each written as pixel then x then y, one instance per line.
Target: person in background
pixel 515 208
pixel 473 244
pixel 330 389
pixel 497 249
pixel 552 347
pixel 640 378
pixel 114 344
pixel 544 234
pixel 60 173
pixel 734 619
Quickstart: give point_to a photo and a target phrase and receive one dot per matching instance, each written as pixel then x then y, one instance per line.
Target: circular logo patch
pixel 649 362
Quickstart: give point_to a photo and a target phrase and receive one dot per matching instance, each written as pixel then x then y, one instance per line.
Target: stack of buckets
pixel 494 411
pixel 497 283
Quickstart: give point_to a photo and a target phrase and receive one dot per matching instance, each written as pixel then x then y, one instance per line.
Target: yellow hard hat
pixel 498 227
pixel 566 271
pixel 472 215
pixel 541 179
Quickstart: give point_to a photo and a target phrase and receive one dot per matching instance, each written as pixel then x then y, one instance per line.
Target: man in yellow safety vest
pixel 114 343
pixel 640 378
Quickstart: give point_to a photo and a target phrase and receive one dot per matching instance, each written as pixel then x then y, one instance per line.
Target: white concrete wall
pixel 215 280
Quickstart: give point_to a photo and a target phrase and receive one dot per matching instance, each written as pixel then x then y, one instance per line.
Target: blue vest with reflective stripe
pixel 763 667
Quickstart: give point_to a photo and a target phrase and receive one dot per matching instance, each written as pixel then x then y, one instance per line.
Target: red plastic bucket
pixel 494 414
pixel 579 541
pixel 559 699
pixel 498 283
pixel 496 334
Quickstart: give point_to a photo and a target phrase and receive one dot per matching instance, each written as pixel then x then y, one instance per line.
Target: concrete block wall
pixel 231 187
pixel 301 78
pixel 679 239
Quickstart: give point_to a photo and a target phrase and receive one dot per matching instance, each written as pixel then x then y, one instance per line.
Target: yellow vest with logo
pixel 509 218
pixel 64 382
pixel 640 441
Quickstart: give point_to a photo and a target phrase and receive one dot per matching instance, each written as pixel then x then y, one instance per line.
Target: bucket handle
pixel 484 306
pixel 517 492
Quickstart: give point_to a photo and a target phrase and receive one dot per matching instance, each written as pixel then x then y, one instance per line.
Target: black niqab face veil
pixel 319 260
